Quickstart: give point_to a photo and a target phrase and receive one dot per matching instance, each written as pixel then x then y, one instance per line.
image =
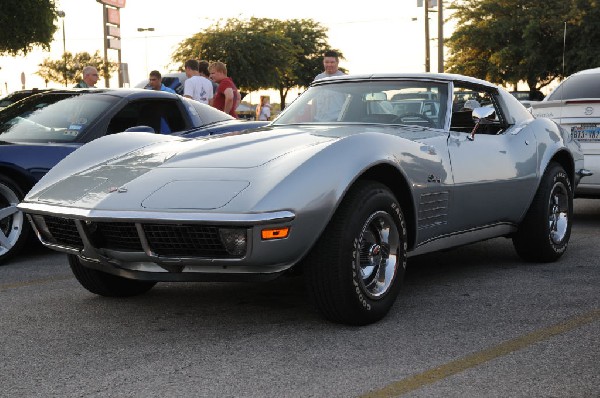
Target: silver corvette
pixel 356 175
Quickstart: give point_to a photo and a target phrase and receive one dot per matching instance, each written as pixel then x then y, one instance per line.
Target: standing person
pixel 195 86
pixel 263 110
pixel 90 78
pixel 331 61
pixel 155 82
pixel 203 70
pixel 227 97
pixel 329 105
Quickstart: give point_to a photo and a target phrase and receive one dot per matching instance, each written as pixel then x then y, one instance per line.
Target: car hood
pixel 208 172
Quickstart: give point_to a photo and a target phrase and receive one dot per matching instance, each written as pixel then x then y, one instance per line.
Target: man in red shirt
pixel 227 97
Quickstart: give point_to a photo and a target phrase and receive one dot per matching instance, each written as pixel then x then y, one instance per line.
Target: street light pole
pixel 146 42
pixel 61 14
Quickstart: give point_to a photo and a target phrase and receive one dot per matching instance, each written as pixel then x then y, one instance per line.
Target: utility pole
pixel 440 37
pixel 61 14
pixel 427 61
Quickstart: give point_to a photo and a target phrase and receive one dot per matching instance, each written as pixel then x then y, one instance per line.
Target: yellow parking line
pixel 34 282
pixel 451 368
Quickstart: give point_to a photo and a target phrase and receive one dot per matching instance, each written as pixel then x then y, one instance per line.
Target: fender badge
pixel 116 189
pixel 432 178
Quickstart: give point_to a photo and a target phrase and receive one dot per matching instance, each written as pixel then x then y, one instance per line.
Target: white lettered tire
pixel 355 270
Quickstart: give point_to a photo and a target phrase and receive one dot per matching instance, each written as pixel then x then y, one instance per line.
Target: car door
pixel 493 168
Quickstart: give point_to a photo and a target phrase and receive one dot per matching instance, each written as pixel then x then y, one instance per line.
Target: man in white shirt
pixel 196 87
pixel 331 62
pixel 329 106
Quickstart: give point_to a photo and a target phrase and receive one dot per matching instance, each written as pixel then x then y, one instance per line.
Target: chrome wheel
pixel 559 213
pixel 11 219
pixel 377 251
pixel 544 232
pixel 355 270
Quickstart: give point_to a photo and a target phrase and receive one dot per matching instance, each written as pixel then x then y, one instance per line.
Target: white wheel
pixel 14 229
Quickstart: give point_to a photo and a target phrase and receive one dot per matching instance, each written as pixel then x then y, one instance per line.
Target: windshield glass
pixel 52 118
pixel 578 86
pixel 379 102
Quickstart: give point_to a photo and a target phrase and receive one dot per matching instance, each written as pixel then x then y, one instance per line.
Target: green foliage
pixel 25 24
pixel 261 53
pixel 507 41
pixel 55 71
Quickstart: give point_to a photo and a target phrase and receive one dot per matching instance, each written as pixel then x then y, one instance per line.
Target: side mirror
pixel 376 97
pixel 483 115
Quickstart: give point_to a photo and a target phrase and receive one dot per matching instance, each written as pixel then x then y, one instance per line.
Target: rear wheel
pixel 355 270
pixel 544 234
pixel 14 229
pixel 105 284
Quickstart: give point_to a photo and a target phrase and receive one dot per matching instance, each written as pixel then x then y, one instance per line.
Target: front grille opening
pixel 122 236
pixel 62 231
pixel 174 240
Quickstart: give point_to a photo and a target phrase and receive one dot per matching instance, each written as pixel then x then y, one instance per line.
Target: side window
pixel 163 116
pixel 125 118
pixel 468 97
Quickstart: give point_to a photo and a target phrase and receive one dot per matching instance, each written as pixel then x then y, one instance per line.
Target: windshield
pixel 58 117
pixel 379 102
pixel 586 85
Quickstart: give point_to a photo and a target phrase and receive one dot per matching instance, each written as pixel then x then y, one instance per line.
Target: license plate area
pixel 586 132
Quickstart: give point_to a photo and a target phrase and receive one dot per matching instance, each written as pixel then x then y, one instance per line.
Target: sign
pixel 124 72
pixel 113 31
pixel 432 3
pixel 113 43
pixel 113 16
pixel 114 3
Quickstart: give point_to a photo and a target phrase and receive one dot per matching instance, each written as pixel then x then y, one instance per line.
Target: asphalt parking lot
pixel 470 322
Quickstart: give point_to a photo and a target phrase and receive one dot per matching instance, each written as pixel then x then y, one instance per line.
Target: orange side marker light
pixel 275 233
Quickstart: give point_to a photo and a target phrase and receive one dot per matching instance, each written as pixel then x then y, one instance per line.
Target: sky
pixel 381 36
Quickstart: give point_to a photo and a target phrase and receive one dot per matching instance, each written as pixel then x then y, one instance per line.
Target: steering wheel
pixel 400 118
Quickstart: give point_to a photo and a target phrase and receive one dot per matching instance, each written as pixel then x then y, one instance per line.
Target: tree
pixel 55 71
pixel 261 53
pixel 582 36
pixel 309 40
pixel 507 41
pixel 25 24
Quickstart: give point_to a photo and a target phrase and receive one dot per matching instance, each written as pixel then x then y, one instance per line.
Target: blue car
pixel 39 131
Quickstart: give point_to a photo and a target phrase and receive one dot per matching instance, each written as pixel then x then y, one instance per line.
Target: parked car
pixel 18 95
pixel 39 131
pixel 575 105
pixel 343 186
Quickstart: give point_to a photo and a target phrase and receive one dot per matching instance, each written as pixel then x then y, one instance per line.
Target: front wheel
pixel 14 229
pixel 544 234
pixel 104 284
pixel 355 270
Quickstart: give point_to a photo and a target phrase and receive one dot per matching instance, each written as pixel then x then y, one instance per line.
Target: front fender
pixel 313 182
